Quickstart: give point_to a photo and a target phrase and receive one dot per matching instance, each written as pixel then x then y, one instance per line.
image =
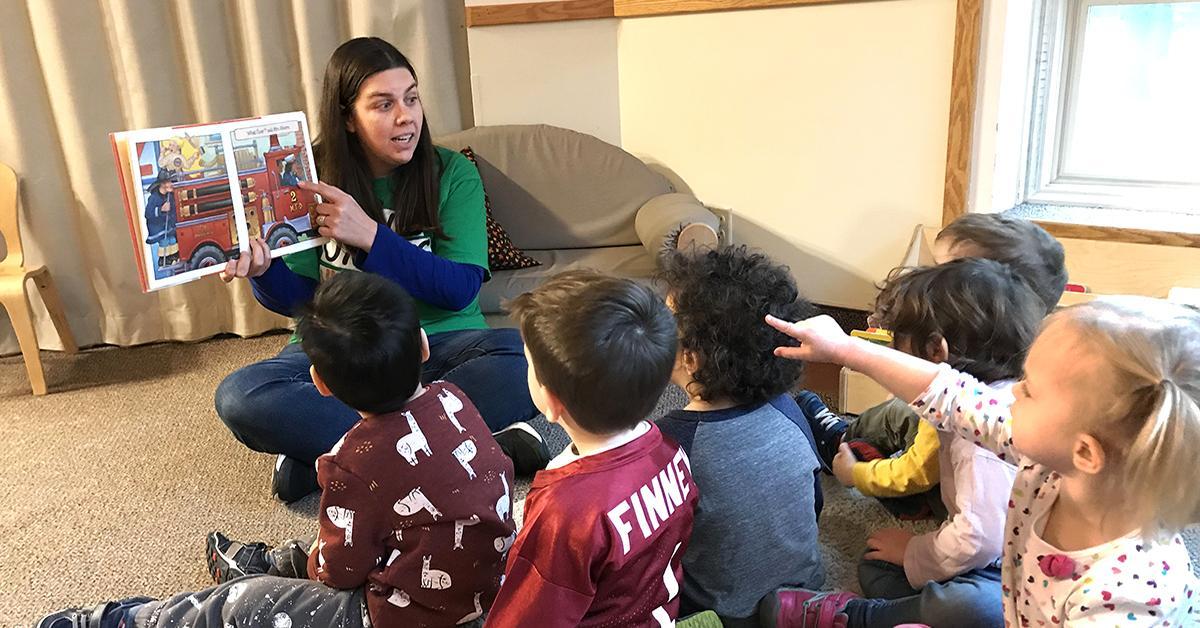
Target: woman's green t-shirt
pixel 462 215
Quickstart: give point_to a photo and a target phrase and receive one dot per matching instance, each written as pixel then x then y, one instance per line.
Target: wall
pixel 561 73
pixel 822 127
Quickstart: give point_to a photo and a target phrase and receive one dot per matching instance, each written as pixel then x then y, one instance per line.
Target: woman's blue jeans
pixel 273 407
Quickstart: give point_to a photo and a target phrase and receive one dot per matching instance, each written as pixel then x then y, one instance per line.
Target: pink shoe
pixel 801 608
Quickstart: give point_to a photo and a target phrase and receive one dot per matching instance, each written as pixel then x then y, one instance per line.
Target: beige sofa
pixel 570 201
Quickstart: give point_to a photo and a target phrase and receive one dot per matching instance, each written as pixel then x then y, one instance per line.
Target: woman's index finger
pixel 327 192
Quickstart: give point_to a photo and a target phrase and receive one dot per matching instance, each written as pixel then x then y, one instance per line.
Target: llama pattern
pixel 399 598
pixel 342 518
pixel 433 578
pixel 411 443
pixel 503 543
pixel 441 553
pixel 504 504
pixel 475 615
pixel 459 526
pixel 452 405
pixel 416 502
pixel 465 454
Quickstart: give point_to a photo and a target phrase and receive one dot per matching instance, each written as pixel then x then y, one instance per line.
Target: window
pixel 1114 106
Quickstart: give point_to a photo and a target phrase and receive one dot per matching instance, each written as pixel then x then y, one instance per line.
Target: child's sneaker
pixel 289 560
pixel 91 617
pixel 801 608
pixel 521 443
pixel 70 618
pixel 228 559
pixel 827 427
pixel 293 480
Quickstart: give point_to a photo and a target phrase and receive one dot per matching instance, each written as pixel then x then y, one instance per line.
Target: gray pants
pixel 259 601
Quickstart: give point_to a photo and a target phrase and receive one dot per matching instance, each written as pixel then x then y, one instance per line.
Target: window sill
pixel 1117 225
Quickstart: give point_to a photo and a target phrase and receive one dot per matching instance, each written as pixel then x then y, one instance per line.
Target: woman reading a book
pixel 398 206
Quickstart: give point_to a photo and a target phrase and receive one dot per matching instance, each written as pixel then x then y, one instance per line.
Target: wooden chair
pixel 14 295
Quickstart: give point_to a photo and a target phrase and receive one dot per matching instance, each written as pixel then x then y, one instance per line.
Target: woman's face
pixel 387 117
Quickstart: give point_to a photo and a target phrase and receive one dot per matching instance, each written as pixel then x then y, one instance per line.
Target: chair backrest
pixel 553 188
pixel 9 231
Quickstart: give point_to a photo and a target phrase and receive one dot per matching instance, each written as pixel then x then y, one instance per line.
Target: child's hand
pixel 888 545
pixel 821 339
pixel 843 465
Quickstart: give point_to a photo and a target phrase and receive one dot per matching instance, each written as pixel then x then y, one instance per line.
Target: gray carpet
pixel 110 483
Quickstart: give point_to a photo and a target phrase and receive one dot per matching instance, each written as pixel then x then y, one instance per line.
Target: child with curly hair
pixel 744 434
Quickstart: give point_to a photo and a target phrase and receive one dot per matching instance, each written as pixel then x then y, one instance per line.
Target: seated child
pixel 607 523
pixel 888 452
pixel 744 434
pixel 1105 432
pixel 977 316
pixel 415 503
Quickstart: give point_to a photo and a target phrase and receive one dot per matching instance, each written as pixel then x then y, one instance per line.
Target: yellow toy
pixel 875 335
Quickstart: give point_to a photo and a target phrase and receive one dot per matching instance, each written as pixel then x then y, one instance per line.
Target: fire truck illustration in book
pixel 190 216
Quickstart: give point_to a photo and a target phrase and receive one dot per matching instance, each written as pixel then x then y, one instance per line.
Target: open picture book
pixel 195 195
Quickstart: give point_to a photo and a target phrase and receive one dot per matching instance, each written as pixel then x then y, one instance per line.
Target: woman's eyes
pixel 385 105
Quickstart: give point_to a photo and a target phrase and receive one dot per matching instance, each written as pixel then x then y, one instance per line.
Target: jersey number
pixel 660 613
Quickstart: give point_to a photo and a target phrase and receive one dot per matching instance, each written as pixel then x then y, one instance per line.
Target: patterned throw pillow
pixel 502 253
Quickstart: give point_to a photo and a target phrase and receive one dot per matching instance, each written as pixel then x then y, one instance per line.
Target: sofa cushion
pixel 622 261
pixel 553 188
pixel 502 253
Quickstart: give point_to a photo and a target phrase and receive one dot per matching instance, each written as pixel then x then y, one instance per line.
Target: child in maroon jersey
pixel 608 521
pixel 416 501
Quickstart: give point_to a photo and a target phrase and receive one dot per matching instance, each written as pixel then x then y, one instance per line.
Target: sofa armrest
pixel 665 215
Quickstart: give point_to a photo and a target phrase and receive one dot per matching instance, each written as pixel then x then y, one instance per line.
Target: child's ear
pixel 319 383
pixel 691 360
pixel 424 347
pixel 936 349
pixel 1088 454
pixel 555 410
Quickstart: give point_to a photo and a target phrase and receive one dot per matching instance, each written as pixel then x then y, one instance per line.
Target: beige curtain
pixel 71 71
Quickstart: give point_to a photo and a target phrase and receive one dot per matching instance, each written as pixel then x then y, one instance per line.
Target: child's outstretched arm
pixel 956 402
pixel 822 340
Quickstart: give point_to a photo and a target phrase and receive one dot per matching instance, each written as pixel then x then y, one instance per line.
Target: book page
pixel 184 205
pixel 201 192
pixel 273 155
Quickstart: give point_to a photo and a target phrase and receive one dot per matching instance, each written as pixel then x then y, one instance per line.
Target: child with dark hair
pixel 1027 248
pixel 977 316
pixel 415 504
pixel 608 521
pixel 888 452
pixel 747 440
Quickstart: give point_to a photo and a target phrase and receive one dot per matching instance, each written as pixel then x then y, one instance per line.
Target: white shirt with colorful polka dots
pixel 1126 582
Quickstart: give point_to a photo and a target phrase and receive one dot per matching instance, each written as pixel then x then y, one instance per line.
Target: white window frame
pixel 1058 30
